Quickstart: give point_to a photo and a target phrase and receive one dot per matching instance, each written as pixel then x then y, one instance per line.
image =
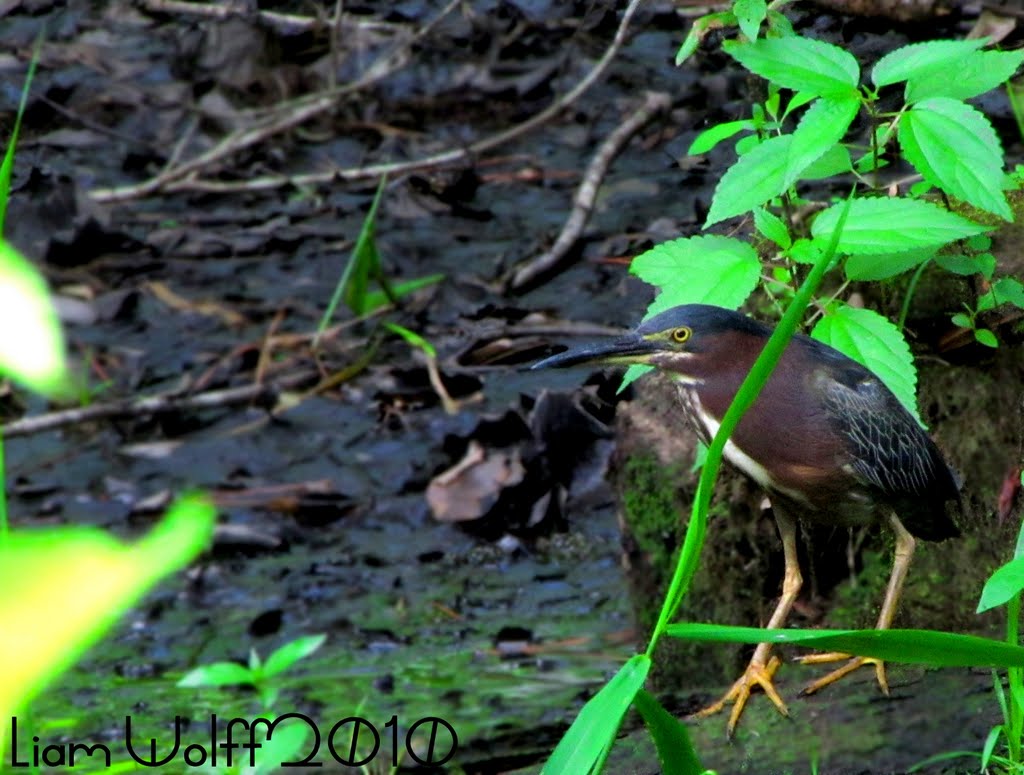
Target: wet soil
pixel 502 624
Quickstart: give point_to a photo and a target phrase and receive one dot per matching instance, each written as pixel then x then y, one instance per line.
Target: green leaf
pixel 821 127
pixel 962 320
pixel 922 647
pixel 675 751
pixel 1002 585
pixel 412 338
pixel 750 14
pixel 800 64
pixel 594 729
pixel 758 175
pixel 700 28
pixel 985 337
pixel 709 138
pixel 31 341
pixel 893 225
pixel 772 227
pixel 287 745
pixel 954 147
pixel 699 270
pixel 805 251
pixel 780 24
pixel 880 266
pixel 1008 290
pixel 7 166
pixel 292 652
pixel 377 299
pixel 632 374
pixel 918 58
pixel 216 674
pixel 973 74
pixel 959 263
pixel 91 579
pixel 835 161
pixel 874 342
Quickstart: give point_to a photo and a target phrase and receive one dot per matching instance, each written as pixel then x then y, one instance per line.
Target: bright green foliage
pixel 956 149
pixel 709 138
pixel 91 579
pixel 821 127
pixel 919 59
pixel 923 647
pixel 966 77
pixel 892 225
pixel 881 266
pixel 749 15
pixel 31 341
pixel 1003 585
pixel 800 64
pixel 258 674
pixel 874 342
pixel 699 270
pixel 586 744
pixel 758 175
pixel 772 227
pixel 675 752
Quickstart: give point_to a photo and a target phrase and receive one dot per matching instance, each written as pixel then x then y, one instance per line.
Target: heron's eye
pixel 681 334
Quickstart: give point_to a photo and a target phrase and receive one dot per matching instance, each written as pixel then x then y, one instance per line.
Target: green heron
pixel 826 439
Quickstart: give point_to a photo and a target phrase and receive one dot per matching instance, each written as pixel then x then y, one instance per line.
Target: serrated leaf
pixel 875 343
pixel 893 225
pixel 954 147
pixel 699 270
pixel 925 647
pixel 1009 290
pixel 750 14
pixel 879 266
pixel 711 137
pixel 800 64
pixel 756 177
pixel 772 227
pixel 974 74
pixel 805 251
pixel 958 263
pixel 918 58
pixel 821 127
pixel 835 161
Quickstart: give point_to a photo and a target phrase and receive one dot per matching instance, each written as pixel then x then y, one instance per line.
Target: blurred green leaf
pixel 291 652
pixel 749 15
pixel 1003 584
pixel 711 137
pixel 922 647
pixel 217 674
pixel 920 58
pixel 593 731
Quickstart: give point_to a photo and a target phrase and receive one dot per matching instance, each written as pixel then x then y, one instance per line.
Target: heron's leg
pixel 761 669
pixel 905 544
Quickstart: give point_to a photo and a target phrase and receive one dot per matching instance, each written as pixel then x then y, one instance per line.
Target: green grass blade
pixel 362 264
pixel 592 733
pixel 675 751
pixel 924 647
pixel 8 163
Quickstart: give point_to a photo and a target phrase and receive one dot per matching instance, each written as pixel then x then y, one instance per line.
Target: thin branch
pixel 586 193
pixel 160 404
pixel 284 23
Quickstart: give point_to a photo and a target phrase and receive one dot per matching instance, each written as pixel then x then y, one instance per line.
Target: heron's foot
pixel 852 664
pixel 756 674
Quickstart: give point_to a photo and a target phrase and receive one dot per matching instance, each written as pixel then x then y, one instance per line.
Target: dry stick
pixel 373 172
pixel 284 118
pixel 137 407
pixel 586 194
pixel 285 23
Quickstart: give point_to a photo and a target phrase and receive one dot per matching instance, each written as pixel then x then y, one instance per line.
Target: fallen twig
pixel 283 118
pixel 139 407
pixel 181 180
pixel 285 23
pixel 586 193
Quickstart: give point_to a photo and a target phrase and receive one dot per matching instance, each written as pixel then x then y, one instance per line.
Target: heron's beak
pixel 626 351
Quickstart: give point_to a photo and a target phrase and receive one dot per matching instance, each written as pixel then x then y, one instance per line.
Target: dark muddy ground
pixel 216 277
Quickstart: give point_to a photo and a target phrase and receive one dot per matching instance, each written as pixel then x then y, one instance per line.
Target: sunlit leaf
pixel 800 64
pixel 919 58
pixel 757 176
pixel 874 342
pixel 1007 581
pixel 967 77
